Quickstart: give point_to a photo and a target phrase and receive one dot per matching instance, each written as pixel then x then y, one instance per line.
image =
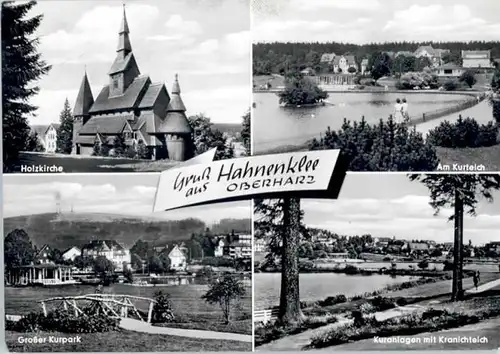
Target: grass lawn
pixel 82 163
pixel 487 156
pixel 122 341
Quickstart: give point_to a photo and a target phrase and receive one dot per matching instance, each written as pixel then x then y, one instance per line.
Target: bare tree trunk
pixel 457 289
pixel 289 309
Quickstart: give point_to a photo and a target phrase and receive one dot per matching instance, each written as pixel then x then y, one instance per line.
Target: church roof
pixel 120 64
pixel 151 95
pixel 105 125
pixel 129 100
pixel 85 99
pixel 175 122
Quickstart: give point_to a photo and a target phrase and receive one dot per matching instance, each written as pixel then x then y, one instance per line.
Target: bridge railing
pixel 265 316
pixel 113 305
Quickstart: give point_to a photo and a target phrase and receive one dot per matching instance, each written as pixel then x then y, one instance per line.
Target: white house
pixel 71 253
pixel 364 65
pixel 47 135
pixel 343 63
pixel 219 248
pixel 434 55
pixel 327 58
pixel 178 259
pixel 110 249
pixel 476 59
pixel 449 70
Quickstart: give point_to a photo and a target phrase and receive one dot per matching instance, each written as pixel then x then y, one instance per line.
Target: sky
pixel 130 194
pixel 364 21
pixel 387 205
pixel 188 37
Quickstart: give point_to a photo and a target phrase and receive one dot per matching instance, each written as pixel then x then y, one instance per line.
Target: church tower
pixel 84 102
pixel 176 127
pixel 124 69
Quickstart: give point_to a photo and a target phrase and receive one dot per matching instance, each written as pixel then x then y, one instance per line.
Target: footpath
pixel 476 112
pixel 143 327
pixel 442 288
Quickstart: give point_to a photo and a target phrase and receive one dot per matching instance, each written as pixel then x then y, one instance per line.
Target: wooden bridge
pixel 118 306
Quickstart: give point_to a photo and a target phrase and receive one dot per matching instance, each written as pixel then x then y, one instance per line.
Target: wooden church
pixel 134 107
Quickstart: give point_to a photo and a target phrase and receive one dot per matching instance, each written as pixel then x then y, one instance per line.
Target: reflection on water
pixel 318 286
pixel 275 126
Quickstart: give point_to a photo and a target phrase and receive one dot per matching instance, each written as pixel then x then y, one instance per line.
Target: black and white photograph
pixel 90 268
pixel 396 262
pixel 129 86
pixel 397 85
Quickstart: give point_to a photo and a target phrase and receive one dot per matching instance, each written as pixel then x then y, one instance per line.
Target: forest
pixel 279 57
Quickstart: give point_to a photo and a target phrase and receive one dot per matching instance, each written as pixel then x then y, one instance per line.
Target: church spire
pixel 176 104
pixel 124 46
pixel 85 99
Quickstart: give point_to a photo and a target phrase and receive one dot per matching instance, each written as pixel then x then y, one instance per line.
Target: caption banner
pixel 310 174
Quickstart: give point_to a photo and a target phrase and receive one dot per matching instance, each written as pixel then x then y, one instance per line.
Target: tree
pixel 452 57
pixel 18 249
pixel 129 276
pixel 119 147
pixel 34 144
pixel 224 292
pixel 246 133
pixel 96 149
pixel 351 70
pixel 103 266
pixel 423 264
pixel 155 264
pixel 300 91
pixel 22 67
pixel 379 65
pixel 386 146
pixel 468 77
pixel 460 192
pixel 83 262
pixel 162 309
pixel 206 138
pixel 136 262
pixel 143 152
pixel 141 248
pixel 280 220
pixel 65 130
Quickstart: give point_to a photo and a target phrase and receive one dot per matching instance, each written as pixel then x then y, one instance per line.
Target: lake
pixel 318 286
pixel 275 126
pixel 186 299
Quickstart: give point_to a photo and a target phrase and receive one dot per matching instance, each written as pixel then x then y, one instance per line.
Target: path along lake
pixel 275 126
pixel 318 286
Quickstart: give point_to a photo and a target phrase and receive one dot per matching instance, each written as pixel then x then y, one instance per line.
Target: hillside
pixel 65 230
pixel 274 57
pixel 229 128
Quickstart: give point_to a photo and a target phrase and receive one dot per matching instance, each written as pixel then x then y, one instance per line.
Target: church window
pixel 134 135
pixel 115 82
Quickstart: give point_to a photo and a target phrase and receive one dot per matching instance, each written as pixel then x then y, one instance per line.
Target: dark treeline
pixel 277 54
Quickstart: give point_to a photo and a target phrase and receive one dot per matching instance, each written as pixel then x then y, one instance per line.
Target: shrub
pixel 424 263
pixel 162 309
pixel 350 269
pixel 333 300
pixel 450 85
pixel 381 303
pixel 386 146
pixel 66 322
pixel 464 133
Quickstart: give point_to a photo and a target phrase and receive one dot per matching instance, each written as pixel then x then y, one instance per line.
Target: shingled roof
pixel 105 125
pixel 152 94
pixel 129 100
pixel 176 120
pixel 85 99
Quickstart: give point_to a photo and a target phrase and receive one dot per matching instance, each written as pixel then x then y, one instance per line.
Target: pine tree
pixel 461 192
pixel 21 67
pixel 280 220
pixel 385 146
pixel 65 130
pixel 246 133
pixel 119 145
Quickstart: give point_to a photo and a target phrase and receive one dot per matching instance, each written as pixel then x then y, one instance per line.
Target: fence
pixel 265 316
pixel 442 112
